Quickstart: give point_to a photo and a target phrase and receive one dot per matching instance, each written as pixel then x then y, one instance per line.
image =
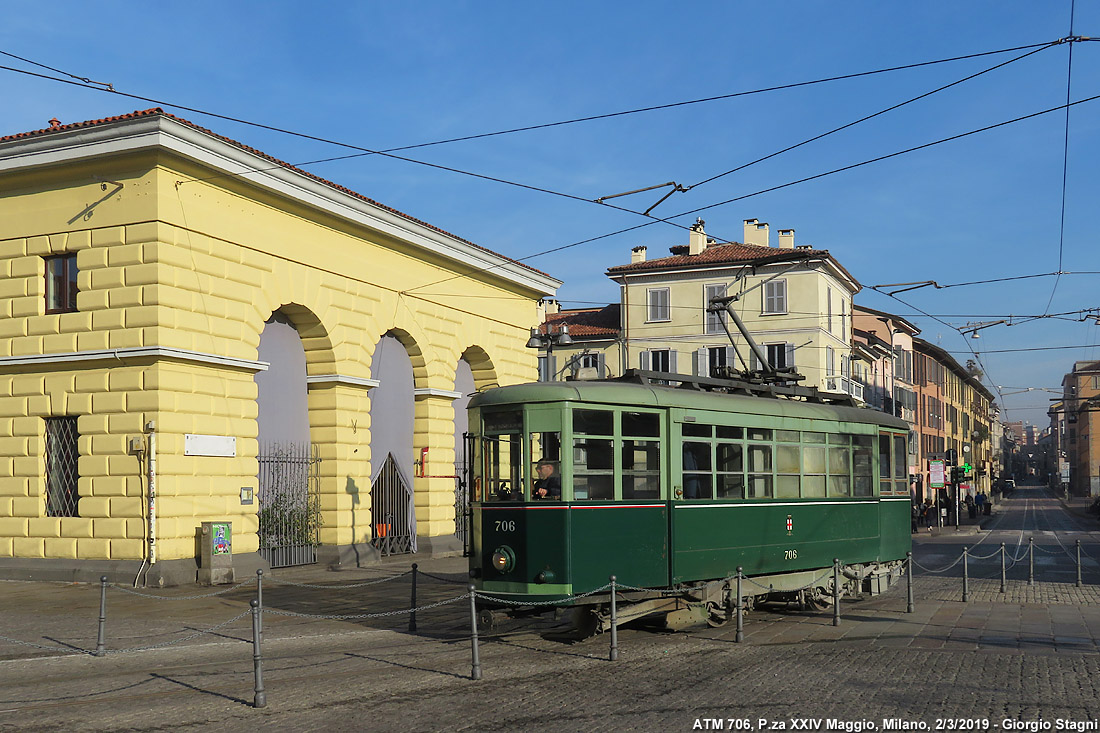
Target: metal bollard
pixel 1078 563
pixel 259 700
pixel 836 591
pixel 475 670
pixel 412 602
pixel 966 574
pixel 740 636
pixel 909 578
pixel 1031 561
pixel 1002 567
pixel 260 598
pixel 100 645
pixel 613 655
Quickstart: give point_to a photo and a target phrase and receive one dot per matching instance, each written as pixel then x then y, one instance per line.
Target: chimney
pixel 553 307
pixel 637 255
pixel 756 233
pixel 786 239
pixel 55 123
pixel 697 238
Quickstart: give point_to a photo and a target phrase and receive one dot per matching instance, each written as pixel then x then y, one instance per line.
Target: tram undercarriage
pixel 712 603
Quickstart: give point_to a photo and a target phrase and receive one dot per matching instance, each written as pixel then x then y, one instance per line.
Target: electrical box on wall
pixel 136 445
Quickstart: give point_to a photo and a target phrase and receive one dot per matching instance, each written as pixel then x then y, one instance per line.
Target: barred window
pixel 62 476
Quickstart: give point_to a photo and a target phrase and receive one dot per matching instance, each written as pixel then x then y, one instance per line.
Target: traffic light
pixel 951 457
pixel 956 474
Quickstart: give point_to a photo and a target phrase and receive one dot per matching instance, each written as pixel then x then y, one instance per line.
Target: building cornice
pixel 137 352
pixel 159 132
pixel 344 380
pixel 425 392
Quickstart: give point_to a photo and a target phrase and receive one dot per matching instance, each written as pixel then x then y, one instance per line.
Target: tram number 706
pixel 505 525
pixel 790 554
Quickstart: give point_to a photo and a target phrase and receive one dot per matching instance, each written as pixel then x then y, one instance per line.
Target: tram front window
pixel 502 467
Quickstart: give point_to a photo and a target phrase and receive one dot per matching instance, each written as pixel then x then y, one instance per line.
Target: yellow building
pixel 795 301
pixel 143 262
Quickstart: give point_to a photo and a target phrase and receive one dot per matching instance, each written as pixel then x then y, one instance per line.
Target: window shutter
pixel 552 365
pixel 643 361
pixel 731 357
pixel 790 356
pixel 601 365
pixel 699 362
pixel 754 363
pixel 672 362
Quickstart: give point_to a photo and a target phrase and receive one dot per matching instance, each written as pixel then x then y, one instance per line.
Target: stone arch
pixel 315 337
pixel 482 367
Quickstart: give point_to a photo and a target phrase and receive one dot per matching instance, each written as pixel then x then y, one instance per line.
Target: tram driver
pixel 548 483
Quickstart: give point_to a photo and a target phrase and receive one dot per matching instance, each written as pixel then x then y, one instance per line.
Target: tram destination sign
pixel 935 474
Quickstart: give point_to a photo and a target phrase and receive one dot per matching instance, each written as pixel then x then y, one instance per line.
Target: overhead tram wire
pixel 806 179
pixel 101 86
pixel 872 116
pixel 1065 161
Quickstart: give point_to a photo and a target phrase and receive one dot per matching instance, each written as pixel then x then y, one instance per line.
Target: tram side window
pixel 788 465
pixel 760 469
pixel 840 465
pixel 546 451
pixel 697 470
pixel 901 465
pixel 641 469
pixel 885 470
pixel 813 466
pixel 731 469
pixel 593 469
pixel 594 422
pixel 863 472
pixel 502 473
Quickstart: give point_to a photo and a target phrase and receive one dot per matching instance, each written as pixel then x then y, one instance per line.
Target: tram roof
pixel 644 395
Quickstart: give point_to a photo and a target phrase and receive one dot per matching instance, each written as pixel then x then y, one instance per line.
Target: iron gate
pixel 289 505
pixel 392 518
pixel 463 482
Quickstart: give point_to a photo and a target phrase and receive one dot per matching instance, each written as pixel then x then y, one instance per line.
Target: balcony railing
pixel 844 385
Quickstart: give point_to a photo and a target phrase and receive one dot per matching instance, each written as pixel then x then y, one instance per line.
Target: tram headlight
pixel 504 559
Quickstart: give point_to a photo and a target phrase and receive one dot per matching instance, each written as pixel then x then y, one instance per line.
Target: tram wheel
pixel 716 616
pixel 486 620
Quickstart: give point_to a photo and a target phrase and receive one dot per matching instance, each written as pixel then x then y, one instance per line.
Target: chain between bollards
pixel 1002 567
pixel 836 591
pixel 613 654
pixel 1031 561
pixel 966 574
pixel 1078 563
pixel 475 669
pixel 100 643
pixel 259 700
pixel 740 636
pixel 412 602
pixel 909 582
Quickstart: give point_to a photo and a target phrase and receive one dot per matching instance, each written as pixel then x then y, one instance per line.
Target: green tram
pixel 672 489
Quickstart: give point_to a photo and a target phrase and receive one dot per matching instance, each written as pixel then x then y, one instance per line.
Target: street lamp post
pixel 548 341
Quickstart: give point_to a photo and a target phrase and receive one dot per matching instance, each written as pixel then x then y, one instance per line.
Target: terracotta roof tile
pixel 587 322
pixel 718 254
pixel 154 111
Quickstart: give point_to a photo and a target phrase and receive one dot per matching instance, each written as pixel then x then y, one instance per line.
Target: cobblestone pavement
pixel 1030 654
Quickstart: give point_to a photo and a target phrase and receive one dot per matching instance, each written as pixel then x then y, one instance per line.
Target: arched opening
pixel 288 504
pixel 464 383
pixel 393 519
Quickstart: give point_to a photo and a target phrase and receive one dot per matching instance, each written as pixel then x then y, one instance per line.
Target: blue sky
pixel 382 75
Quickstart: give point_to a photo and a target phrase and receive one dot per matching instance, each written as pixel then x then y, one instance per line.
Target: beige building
pixel 795 300
pixel 145 262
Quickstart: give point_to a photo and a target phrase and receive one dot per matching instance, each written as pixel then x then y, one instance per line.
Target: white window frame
pixel 652 307
pixel 774 291
pixel 712 322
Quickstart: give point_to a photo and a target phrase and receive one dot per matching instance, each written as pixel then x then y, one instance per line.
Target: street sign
pixel 935 474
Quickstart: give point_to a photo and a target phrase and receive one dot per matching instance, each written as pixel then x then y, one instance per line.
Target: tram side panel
pixel 711 541
pixel 629 542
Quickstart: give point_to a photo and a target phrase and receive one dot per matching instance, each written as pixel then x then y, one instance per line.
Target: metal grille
pixel 290 509
pixel 462 493
pixel 391 511
pixel 62 476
